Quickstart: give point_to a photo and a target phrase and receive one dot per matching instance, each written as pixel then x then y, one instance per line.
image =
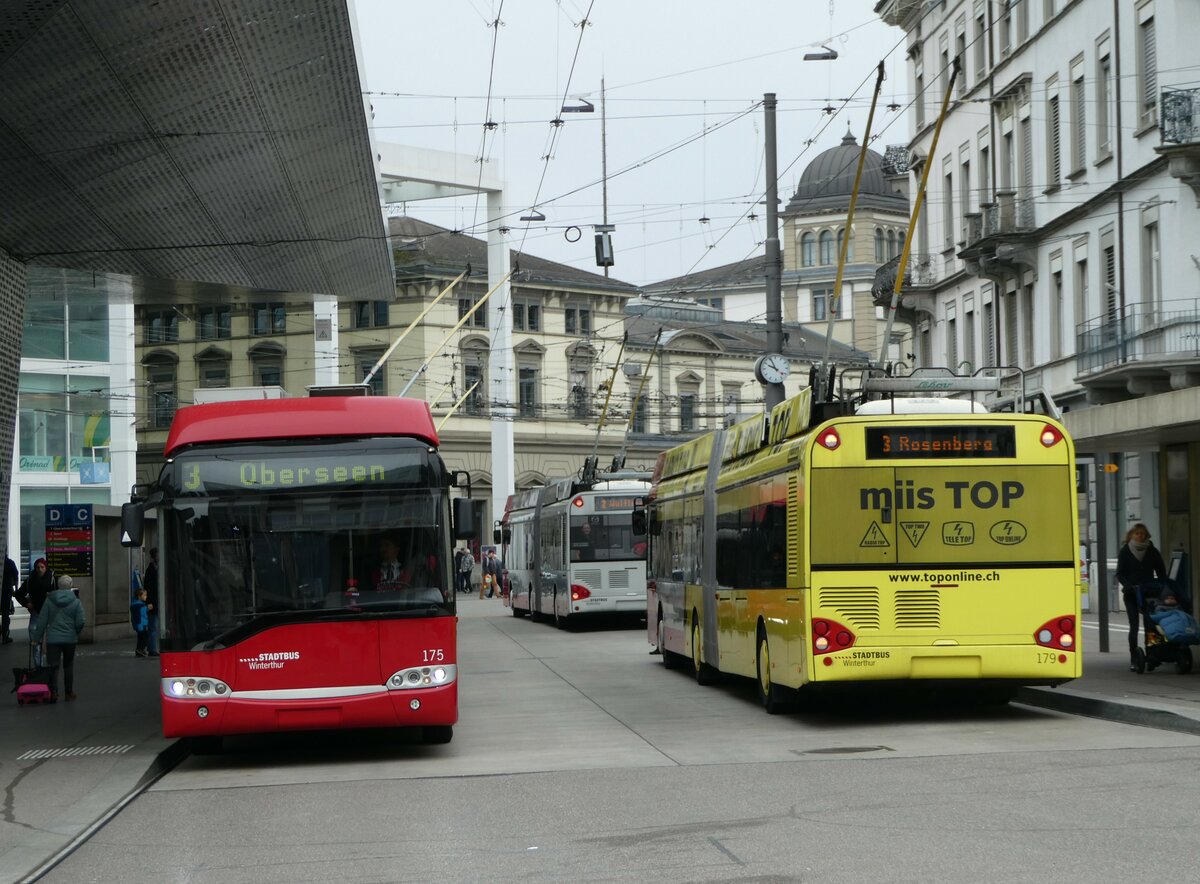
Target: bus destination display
pixel 940 440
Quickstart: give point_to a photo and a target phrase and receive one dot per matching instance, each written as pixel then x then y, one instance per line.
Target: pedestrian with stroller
pixel 59 626
pixel 1138 563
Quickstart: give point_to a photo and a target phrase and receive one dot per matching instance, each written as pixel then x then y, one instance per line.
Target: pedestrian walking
pixel 59 626
pixel 466 566
pixel 11 578
pixel 150 583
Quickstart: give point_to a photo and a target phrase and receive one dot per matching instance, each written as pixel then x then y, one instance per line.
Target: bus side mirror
pixel 464 518
pixel 638 518
pixel 133 523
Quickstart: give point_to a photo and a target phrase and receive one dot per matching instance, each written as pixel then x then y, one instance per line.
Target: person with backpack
pixel 59 626
pixel 139 618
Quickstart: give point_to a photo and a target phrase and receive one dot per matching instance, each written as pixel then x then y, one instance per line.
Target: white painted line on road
pixel 73 752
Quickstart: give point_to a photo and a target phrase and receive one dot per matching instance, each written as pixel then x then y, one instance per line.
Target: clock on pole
pixel 772 368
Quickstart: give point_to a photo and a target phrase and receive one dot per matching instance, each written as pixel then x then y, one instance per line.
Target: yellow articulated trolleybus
pixel 912 540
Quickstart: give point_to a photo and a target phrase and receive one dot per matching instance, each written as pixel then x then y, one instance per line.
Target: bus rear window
pixel 604 537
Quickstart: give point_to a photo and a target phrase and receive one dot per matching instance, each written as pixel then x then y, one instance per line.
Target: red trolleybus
pixel 276 611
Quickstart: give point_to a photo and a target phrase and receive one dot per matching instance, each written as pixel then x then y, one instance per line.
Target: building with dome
pixel 812 227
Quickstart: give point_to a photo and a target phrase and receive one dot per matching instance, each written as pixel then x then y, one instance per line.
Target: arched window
pixel 474 374
pixel 899 242
pixel 826 247
pixel 808 250
pixel 891 244
pixel 580 362
pixel 880 254
pixel 850 252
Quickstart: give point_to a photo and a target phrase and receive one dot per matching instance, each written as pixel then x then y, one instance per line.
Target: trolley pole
pixel 773 394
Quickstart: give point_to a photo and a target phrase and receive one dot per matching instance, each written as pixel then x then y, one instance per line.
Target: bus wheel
pixel 771 695
pixel 704 673
pixel 437 734
pixel 1184 664
pixel 670 660
pixel 559 621
pixel 516 612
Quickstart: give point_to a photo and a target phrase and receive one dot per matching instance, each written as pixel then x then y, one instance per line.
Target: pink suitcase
pixel 33 693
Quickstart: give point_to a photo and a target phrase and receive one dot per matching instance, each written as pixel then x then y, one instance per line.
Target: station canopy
pixel 203 148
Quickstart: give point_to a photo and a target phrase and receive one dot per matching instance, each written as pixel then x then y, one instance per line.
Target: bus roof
pixel 262 420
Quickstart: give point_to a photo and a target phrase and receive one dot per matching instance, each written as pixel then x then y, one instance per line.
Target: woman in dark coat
pixel 1139 562
pixel 32 595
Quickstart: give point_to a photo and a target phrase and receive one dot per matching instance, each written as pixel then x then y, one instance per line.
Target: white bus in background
pixel 570 551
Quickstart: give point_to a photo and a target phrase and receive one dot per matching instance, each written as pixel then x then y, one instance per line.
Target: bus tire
pixel 437 734
pixel 704 673
pixel 669 658
pixel 560 622
pixel 774 698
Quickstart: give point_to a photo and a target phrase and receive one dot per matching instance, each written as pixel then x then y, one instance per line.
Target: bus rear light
pixel 1051 436
pixel 193 687
pixel 1058 634
pixel 419 677
pixel 830 439
pixel 577 502
pixel 829 636
pixel 579 593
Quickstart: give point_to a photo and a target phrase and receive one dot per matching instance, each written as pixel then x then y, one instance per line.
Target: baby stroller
pixel 1165 642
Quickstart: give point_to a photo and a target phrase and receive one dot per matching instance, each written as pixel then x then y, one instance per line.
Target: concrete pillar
pixel 12 303
pixel 325 343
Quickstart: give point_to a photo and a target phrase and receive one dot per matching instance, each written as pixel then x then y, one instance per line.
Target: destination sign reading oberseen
pixel 940 440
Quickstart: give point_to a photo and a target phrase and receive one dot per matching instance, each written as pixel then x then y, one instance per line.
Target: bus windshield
pixel 258 535
pixel 604 537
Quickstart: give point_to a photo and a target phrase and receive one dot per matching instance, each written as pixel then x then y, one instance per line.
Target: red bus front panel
pixel 308 676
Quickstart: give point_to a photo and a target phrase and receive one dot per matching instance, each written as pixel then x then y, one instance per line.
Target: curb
pixel 1108 709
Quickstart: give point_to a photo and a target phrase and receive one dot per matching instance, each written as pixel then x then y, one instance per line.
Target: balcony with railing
pixel 1000 236
pixel 1140 349
pixel 1180 132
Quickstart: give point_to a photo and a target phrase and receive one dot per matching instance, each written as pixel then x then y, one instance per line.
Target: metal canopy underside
pixel 213 141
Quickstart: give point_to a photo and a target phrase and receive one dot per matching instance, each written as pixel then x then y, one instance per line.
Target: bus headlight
pixel 183 687
pixel 418 677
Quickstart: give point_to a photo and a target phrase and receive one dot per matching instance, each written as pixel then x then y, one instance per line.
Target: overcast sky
pixel 684 84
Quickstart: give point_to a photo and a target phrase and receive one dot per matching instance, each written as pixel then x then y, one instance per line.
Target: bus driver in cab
pixel 416 570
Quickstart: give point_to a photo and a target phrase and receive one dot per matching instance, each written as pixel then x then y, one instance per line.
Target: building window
pixel 161 376
pixel 1147 68
pixel 268 319
pixel 715 303
pixel 687 412
pixel 1006 29
pixel 160 327
pixel 365 361
pixel 1078 119
pixel 880 252
pixel 1053 144
pixel 841 241
pixel 964 192
pixel 1081 291
pixel 370 314
pixel 826 247
pixel 919 86
pixel 473 381
pixel 1103 102
pixel 639 416
pixel 969 334
pixel 820 301
pixel 267 366
pixel 579 398
pixel 960 52
pixel 808 249
pixel 1056 314
pixel 891 245
pixel 213 323
pixel 981 41
pixel 526 316
pixel 948 209
pixel 578 320
pixel 212 370
pixel 478 318
pixel 952 337
pixel 1151 266
pixel 527 390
